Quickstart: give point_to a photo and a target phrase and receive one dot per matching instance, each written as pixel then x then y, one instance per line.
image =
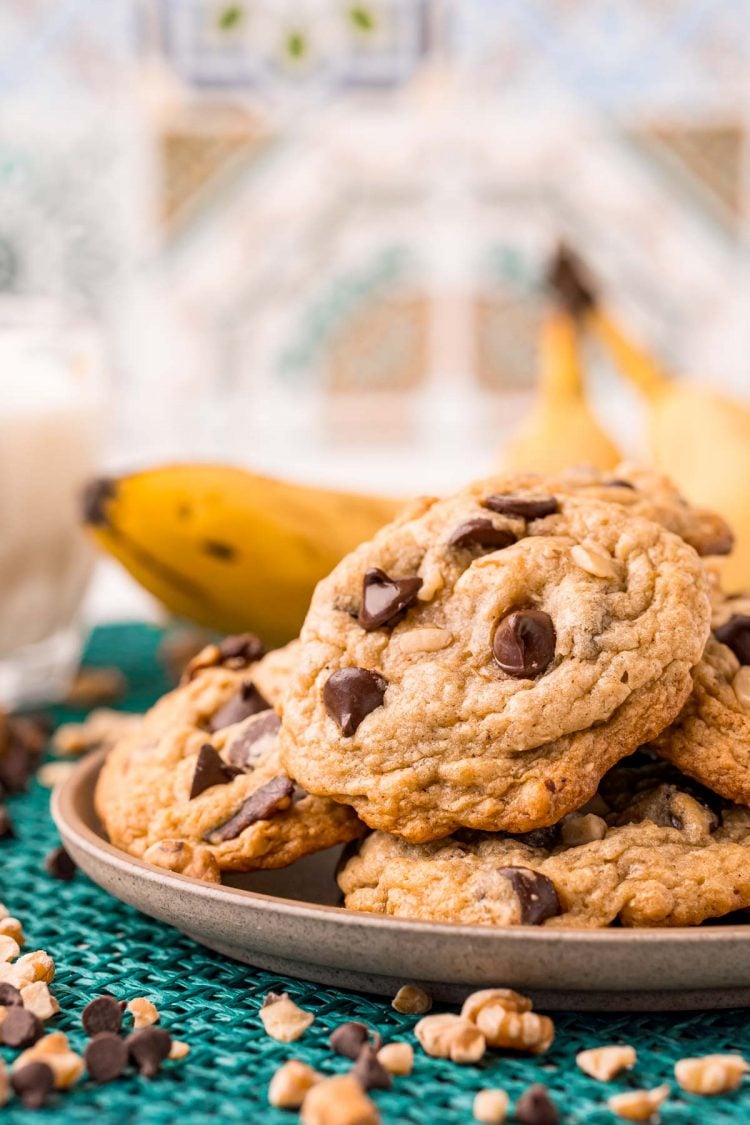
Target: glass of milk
pixel 50 430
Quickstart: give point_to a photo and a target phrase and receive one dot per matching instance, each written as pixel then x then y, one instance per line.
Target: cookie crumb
pixel 290 1084
pixel 604 1063
pixel 398 1058
pixel 446 1036
pixel 535 1107
pixel 505 1019
pixel 144 1013
pixel 490 1107
pixel 411 1000
pixel 711 1074
pixel 638 1105
pixel 283 1019
pixel 338 1101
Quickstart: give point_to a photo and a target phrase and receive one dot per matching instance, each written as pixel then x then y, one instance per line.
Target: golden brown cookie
pixel 657 851
pixel 710 740
pixel 199 786
pixel 486 658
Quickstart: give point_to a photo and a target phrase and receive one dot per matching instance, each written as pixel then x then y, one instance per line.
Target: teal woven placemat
pixel 100 945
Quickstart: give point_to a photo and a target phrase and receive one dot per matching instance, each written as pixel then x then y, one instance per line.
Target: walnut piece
pixel 638 1105
pixel 711 1074
pixel 411 1000
pixel 397 1058
pixel 290 1084
pixel 491 1107
pixel 283 1019
pixel 54 1050
pixel 144 1013
pixel 505 1019
pixel 603 1063
pixel 338 1101
pixel 446 1036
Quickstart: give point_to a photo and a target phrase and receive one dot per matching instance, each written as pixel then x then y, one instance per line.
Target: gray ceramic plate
pixel 288 922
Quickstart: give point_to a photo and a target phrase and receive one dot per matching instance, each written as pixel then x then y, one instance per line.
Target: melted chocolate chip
pixel 102 1014
pixel 527 507
pixel 248 701
pixel 210 770
pixel 535 1107
pixel 241 649
pixel 240 752
pixel 536 894
pixel 736 634
pixel 33 1083
pixel 106 1056
pixel 370 1072
pixel 264 803
pixel 351 694
pixel 481 532
pixel 148 1048
pixel 383 597
pixel 524 643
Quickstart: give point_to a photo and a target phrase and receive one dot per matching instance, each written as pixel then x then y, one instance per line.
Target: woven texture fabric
pixel 100 945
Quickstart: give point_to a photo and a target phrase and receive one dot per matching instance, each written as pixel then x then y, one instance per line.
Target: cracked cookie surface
pixel 710 739
pixel 658 851
pixel 486 658
pixel 203 772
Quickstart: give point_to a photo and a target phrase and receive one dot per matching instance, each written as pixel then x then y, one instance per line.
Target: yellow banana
pixel 561 428
pixel 227 548
pixel 697 436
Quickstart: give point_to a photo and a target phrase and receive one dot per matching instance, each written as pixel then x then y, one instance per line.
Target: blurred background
pixel 309 236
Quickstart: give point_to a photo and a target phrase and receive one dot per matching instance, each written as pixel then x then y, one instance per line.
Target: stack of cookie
pixel 517 688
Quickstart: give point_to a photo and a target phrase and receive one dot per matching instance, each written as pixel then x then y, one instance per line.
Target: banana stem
pixel 634 361
pixel 560 375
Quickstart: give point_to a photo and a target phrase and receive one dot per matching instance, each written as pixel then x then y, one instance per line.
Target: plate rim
pixel 69 823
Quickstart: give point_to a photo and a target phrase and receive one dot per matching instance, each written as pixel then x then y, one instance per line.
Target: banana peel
pixel 699 437
pixel 561 428
pixel 228 548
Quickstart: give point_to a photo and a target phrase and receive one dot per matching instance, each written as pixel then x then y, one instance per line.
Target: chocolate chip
pixel 7 831
pixel 60 865
pixel 543 838
pixel 148 1048
pixel 102 1014
pixel 527 507
pixel 9 995
pixel 524 643
pixel 17 766
pixel 384 597
pixel 535 1107
pixel 736 634
pixel 617 482
pixel 241 649
pixel 240 753
pixel 351 694
pixel 33 1083
pixel 248 701
pixel 370 1072
pixel 481 532
pixel 271 798
pixel 349 1038
pixel 209 770
pixel 20 1028
pixel 106 1056
pixel 536 894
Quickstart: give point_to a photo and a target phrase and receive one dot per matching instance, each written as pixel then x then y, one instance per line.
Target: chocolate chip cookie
pixel 649 494
pixel 199 786
pixel 652 850
pixel 710 740
pixel 486 658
